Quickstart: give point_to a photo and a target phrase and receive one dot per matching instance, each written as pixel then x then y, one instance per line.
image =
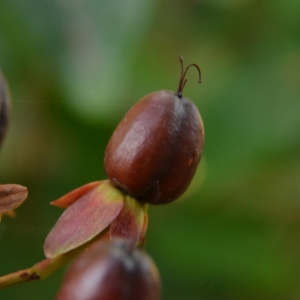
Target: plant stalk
pixel 46 267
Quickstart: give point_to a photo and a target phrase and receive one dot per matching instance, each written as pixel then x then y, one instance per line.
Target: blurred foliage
pixel 75 68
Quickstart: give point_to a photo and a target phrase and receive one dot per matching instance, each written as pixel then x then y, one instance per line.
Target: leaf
pixel 12 196
pixel 129 223
pixel 84 219
pixel 142 240
pixel 73 196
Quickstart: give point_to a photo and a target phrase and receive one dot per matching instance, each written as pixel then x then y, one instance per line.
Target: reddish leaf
pixel 12 196
pixel 129 223
pixel 84 219
pixel 142 240
pixel 71 197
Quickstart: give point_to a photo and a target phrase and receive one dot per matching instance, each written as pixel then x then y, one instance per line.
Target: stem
pixel 46 267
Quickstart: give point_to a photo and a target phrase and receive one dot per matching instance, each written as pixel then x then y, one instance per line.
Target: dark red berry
pixel 155 150
pixel 111 271
pixel 4 103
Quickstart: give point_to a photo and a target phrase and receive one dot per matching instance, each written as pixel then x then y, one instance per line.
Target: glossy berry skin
pixel 111 271
pixel 4 103
pixel 155 150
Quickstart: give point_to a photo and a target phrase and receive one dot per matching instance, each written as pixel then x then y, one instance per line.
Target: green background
pixel 74 69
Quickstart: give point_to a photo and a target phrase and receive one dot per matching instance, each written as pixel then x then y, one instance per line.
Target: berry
pixel 111 271
pixel 4 103
pixel 155 150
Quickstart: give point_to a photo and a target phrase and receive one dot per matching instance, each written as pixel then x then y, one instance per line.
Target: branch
pixel 46 267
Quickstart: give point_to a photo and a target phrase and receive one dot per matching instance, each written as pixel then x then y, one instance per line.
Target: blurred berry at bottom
pixel 111 271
